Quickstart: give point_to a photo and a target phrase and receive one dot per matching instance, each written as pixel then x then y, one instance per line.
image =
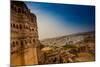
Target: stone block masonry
pixel 24 35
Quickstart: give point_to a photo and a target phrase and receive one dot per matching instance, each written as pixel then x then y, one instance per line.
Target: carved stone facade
pixel 24 35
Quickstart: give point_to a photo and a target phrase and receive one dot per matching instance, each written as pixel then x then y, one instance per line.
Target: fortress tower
pixel 24 35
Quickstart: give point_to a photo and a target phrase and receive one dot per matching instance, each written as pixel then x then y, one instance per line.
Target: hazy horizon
pixel 67 35
pixel 55 20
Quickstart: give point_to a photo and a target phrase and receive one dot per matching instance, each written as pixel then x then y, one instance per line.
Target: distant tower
pixel 24 35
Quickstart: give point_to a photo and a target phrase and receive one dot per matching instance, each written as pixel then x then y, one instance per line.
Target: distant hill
pixel 72 38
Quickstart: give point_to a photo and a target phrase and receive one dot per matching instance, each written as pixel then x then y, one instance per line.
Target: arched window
pixel 21 42
pixel 13 44
pixel 25 42
pixel 20 26
pixel 32 29
pixel 33 40
pixel 19 10
pixel 26 27
pixel 13 25
pixel 17 26
pixel 16 42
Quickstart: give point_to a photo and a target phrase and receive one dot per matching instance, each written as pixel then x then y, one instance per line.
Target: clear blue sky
pixel 62 19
